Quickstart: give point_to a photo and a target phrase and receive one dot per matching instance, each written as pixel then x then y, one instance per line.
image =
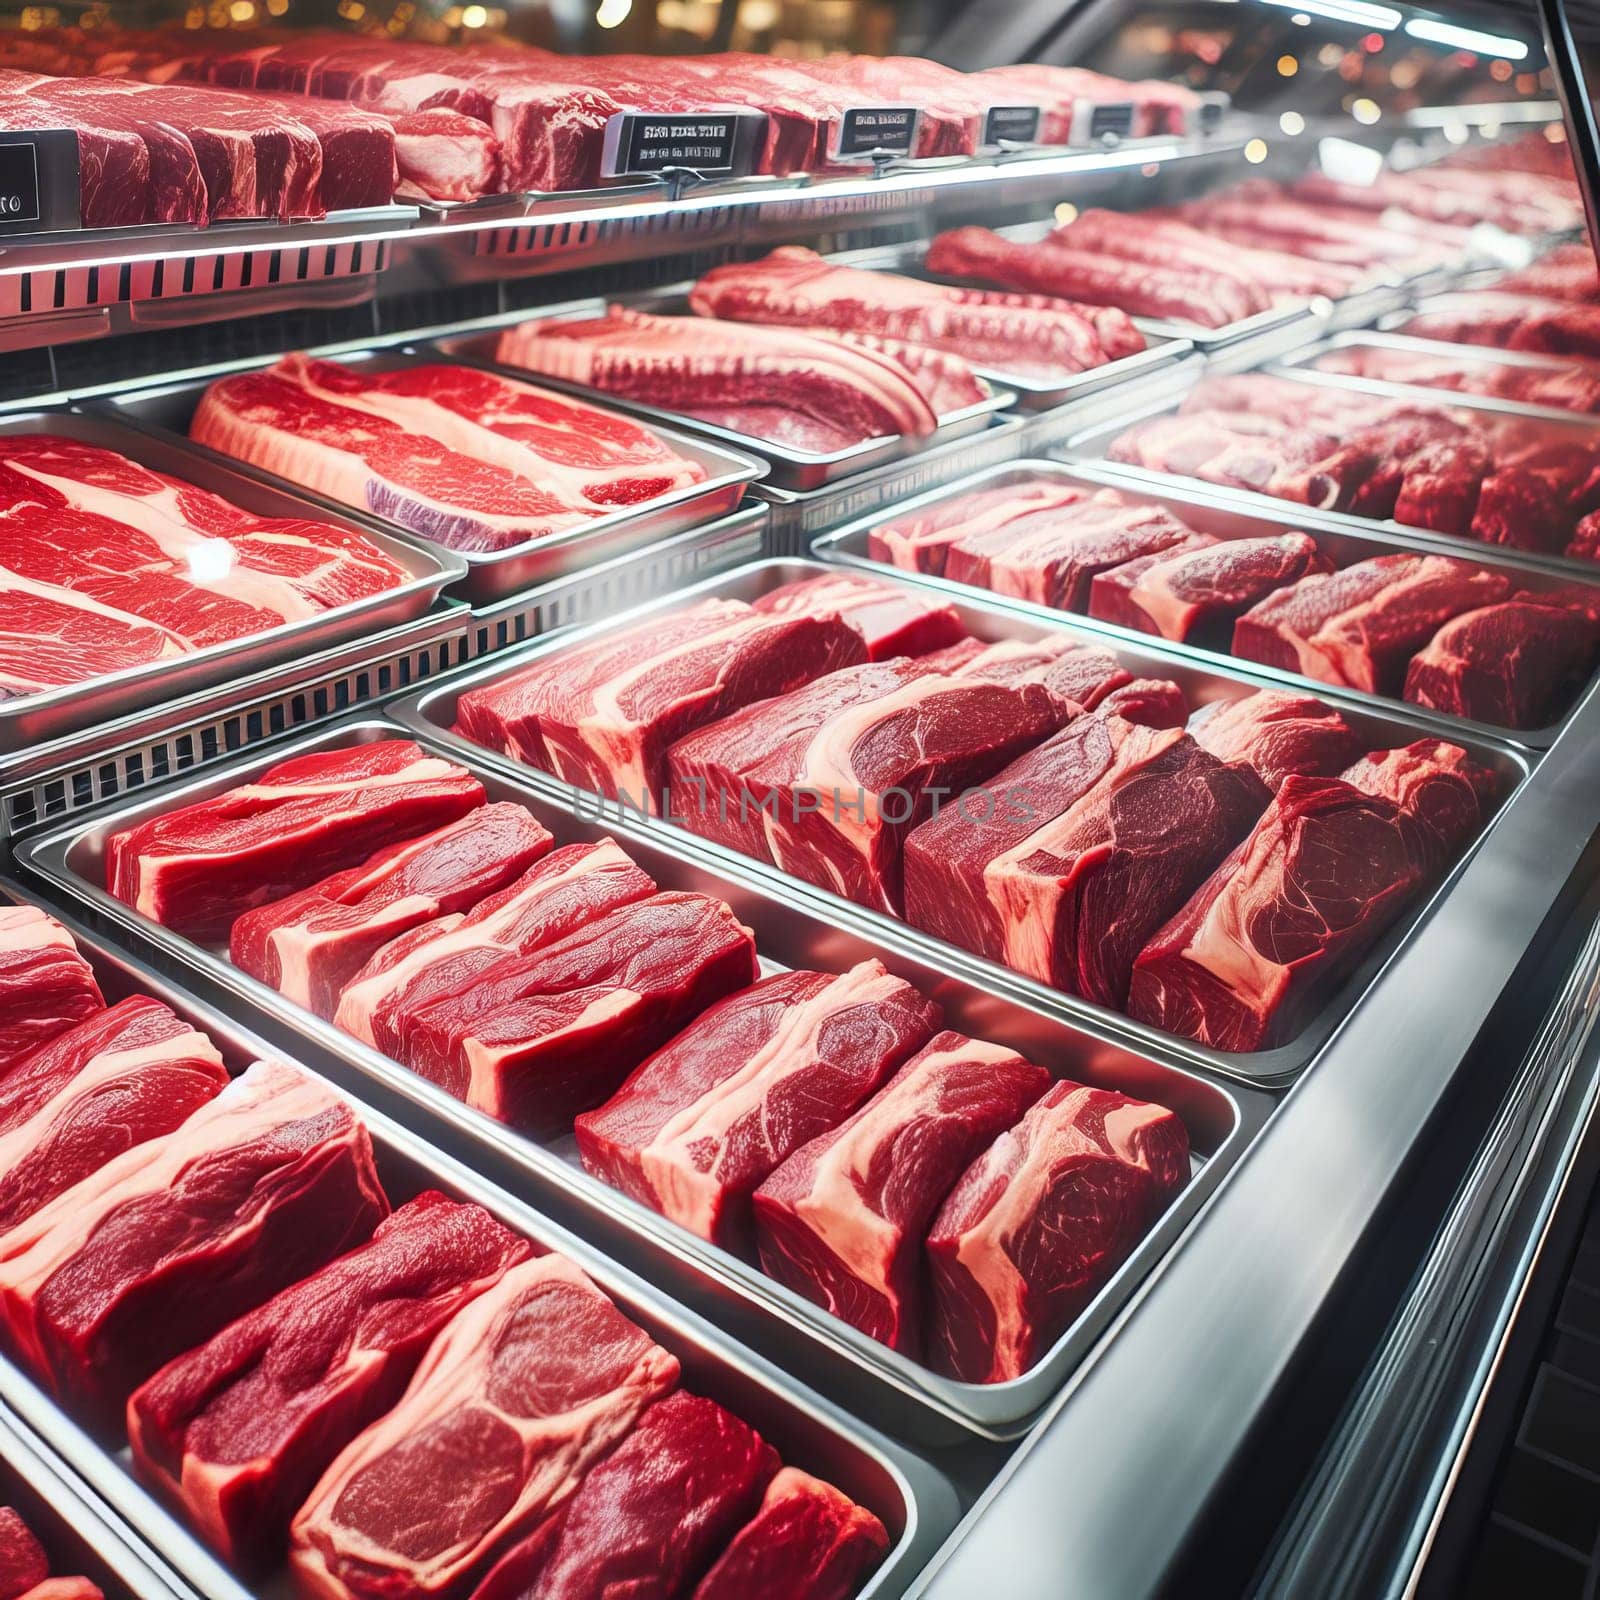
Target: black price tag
pixel 38 180
pixel 1011 125
pixel 19 182
pixel 1111 120
pixel 866 131
pixel 645 142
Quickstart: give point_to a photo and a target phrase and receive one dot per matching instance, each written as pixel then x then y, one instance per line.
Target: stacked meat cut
pixel 107 565
pixel 393 1398
pixel 467 458
pixel 1560 385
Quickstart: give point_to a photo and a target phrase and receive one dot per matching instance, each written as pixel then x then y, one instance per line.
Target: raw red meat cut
pixel 1077 674
pixel 894 621
pixel 1274 732
pixel 807 1542
pixel 239 1430
pixel 45 985
pixel 1039 1223
pixel 1061 92
pixel 601 715
pixel 1084 847
pixel 1566 386
pixel 922 542
pixel 792 388
pixel 51 637
pixel 1515 664
pixel 359 149
pixel 442 155
pixel 842 1220
pixel 23 1562
pixel 1031 335
pixel 1512 322
pixel 1566 273
pixel 1358 627
pixel 1323 876
pixel 114 189
pixel 576 884
pixel 118 1078
pixel 1151 702
pixel 701 1124
pixel 1444 797
pixel 1192 593
pixel 169 1241
pixel 649 1518
pixel 309 945
pixel 540 1037
pixel 1582 598
pixel 528 1388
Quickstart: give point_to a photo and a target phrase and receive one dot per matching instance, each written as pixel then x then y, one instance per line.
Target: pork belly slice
pixel 704 1121
pixel 239 1430
pixel 309 945
pixel 1039 1223
pixel 1078 851
pixel 1358 627
pixel 576 884
pixel 23 1562
pixel 1189 593
pixel 1077 674
pixel 891 619
pixel 1444 797
pixel 1274 732
pixel 842 1220
pixel 807 1542
pixel 529 1387
pixel 1517 665
pixel 541 1037
pixel 45 985
pixel 198 868
pixel 114 1080
pixel 921 542
pixel 651 1517
pixel 171 1240
pixel 602 715
pixel 1262 942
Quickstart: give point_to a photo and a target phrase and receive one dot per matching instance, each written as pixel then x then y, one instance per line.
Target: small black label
pixel 1011 125
pixel 19 182
pixel 877 130
pixel 1212 109
pixel 1115 119
pixel 38 180
pixel 648 143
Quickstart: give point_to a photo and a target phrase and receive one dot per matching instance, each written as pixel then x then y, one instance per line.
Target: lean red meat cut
pixel 1087 844
pixel 169 1241
pixel 114 188
pixel 649 1518
pixel 1041 1220
pixel 1274 733
pixel 601 715
pixel 199 867
pixel 530 1386
pixel 1323 876
pixel 807 1542
pixel 702 1123
pixel 45 985
pixel 1443 795
pixel 23 1563
pixel 892 620
pixel 309 945
pixel 117 1079
pixel 240 1429
pixel 574 885
pixel 922 542
pixel 540 1037
pixel 1566 386
pixel 842 1220
pixel 1077 674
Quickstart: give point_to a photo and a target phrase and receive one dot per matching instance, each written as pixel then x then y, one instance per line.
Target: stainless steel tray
pixel 915 1502
pixel 1208 513
pixel 434 712
pixel 1396 321
pixel 787 466
pixel 886 1387
pixel 32 719
pixel 166 411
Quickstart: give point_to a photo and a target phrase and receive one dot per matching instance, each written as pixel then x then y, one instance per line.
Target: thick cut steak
pixel 1567 387
pixel 540 1037
pixel 1151 702
pixel 893 621
pixel 1194 593
pixel 171 1240
pixel 601 715
pixel 23 1562
pixel 572 886
pixel 1260 943
pixel 921 542
pixel 114 189
pixel 1084 847
pixel 1041 1220
pixel 1444 797
pixel 842 1220
pixel 45 985
pixel 198 868
pixel 704 1121
pixel 1513 322
pixel 807 1542
pixel 443 155
pixel 1274 732
pixel 1517 664
pixel 309 945
pixel 240 1429
pixel 651 1517
pixel 1077 674
pixel 118 1078
pixel 1358 627
pixel 529 1386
